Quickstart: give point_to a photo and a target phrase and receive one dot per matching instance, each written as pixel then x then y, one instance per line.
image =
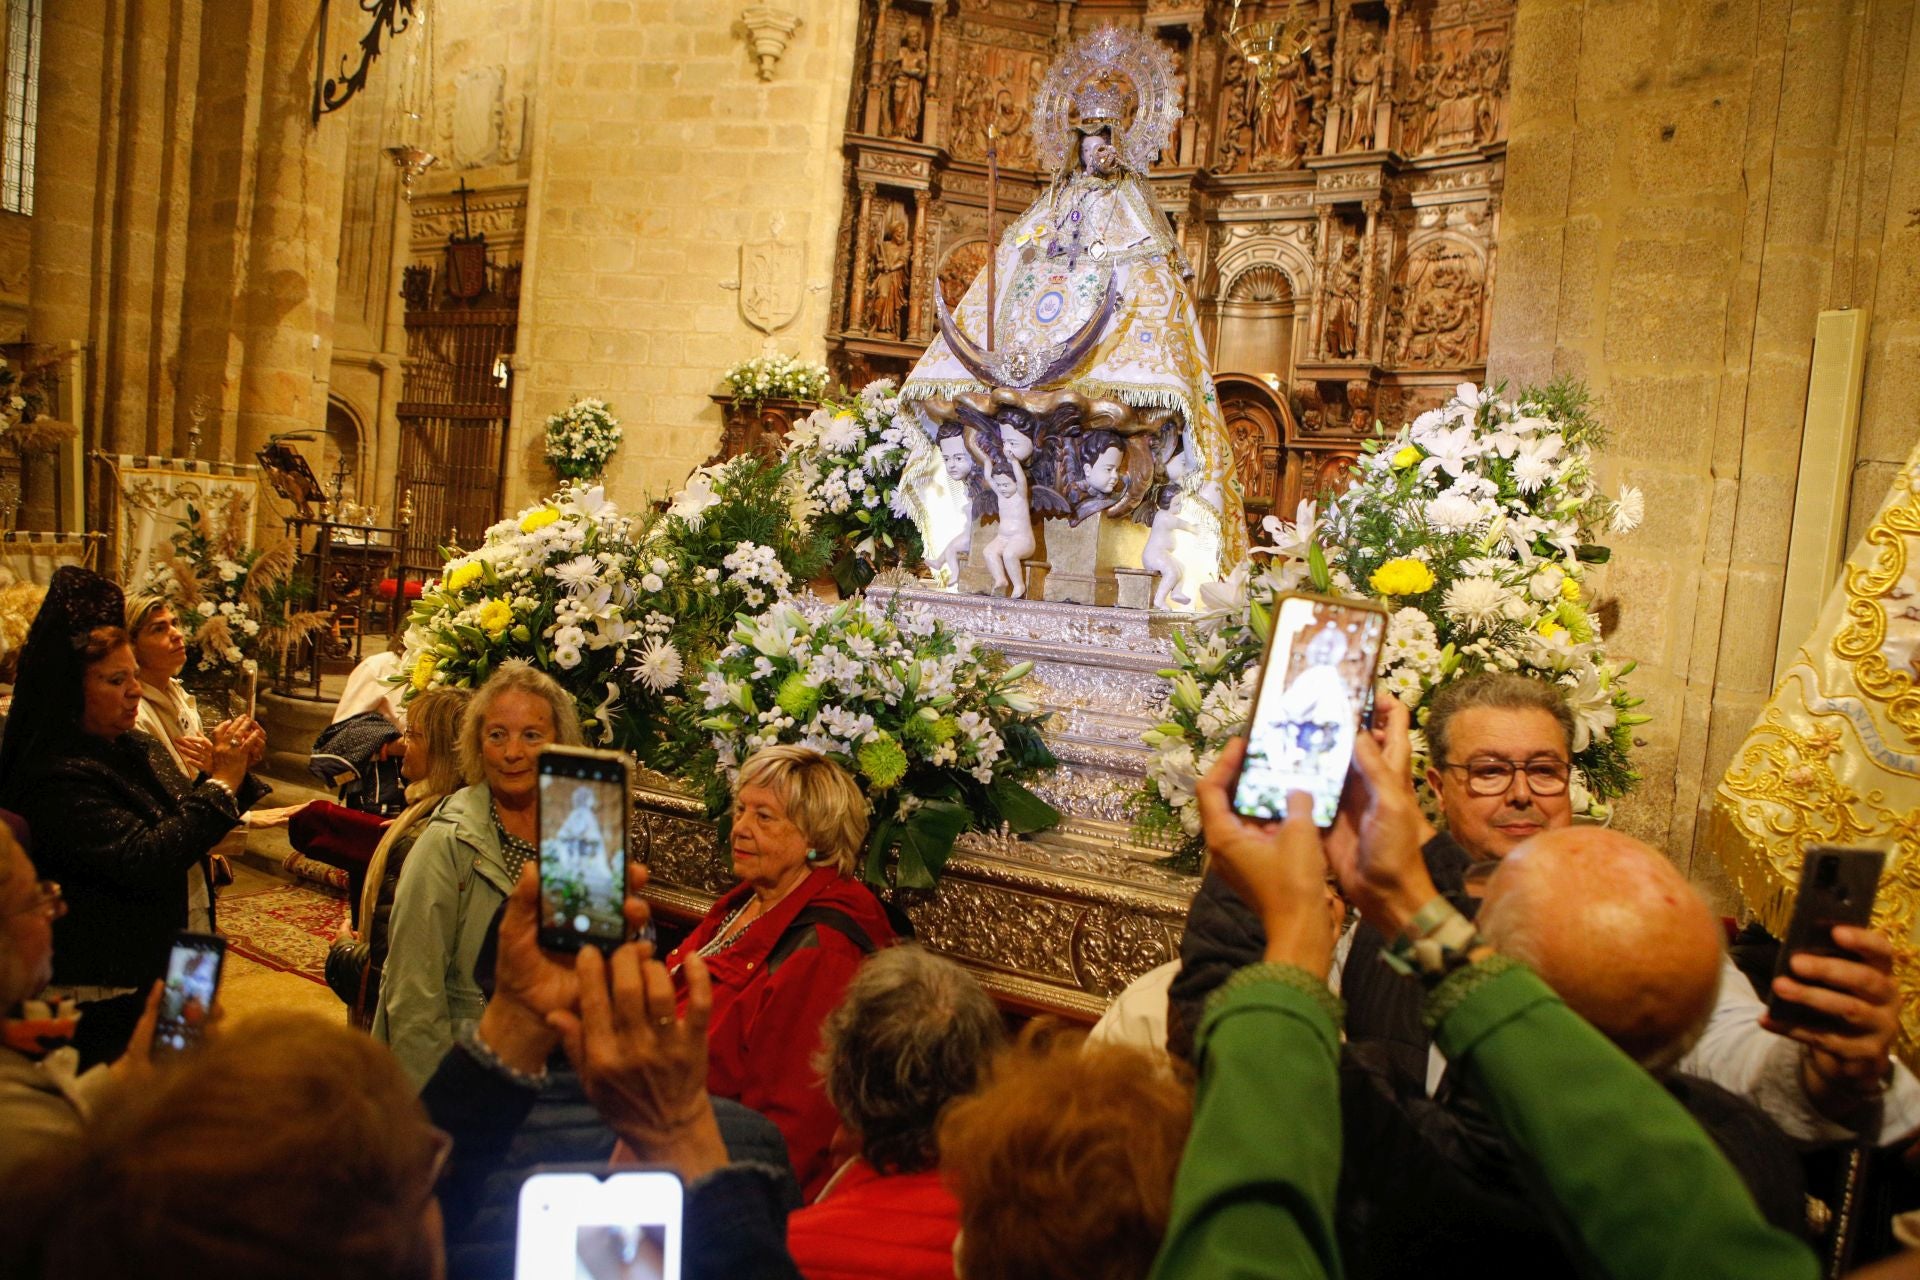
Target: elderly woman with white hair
pixel 464 864
pixel 784 943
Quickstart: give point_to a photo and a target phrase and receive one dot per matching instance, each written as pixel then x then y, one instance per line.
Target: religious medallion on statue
pixel 1068 398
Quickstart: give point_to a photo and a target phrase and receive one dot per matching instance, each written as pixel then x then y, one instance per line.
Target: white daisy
pixel 659 666
pixel 1477 603
pixel 1629 511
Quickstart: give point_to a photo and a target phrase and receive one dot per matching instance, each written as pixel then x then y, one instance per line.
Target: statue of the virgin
pixel 1092 329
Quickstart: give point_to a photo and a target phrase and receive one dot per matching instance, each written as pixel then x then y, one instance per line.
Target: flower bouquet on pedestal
pixel 847 459
pixel 561 587
pixel 1477 525
pixel 775 377
pixel 938 733
pixel 238 606
pixel 581 440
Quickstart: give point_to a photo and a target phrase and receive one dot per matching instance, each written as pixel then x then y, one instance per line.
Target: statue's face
pixel 1099 156
pixel 1103 474
pixel 1004 485
pixel 953 451
pixel 914 38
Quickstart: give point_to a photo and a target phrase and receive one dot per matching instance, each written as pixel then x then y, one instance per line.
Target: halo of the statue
pixel 1140 59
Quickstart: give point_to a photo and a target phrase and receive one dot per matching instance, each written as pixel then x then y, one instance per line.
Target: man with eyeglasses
pixel 44 1100
pixel 1500 750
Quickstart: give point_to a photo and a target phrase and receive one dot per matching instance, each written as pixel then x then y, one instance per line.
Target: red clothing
pixel 766 1027
pixel 872 1226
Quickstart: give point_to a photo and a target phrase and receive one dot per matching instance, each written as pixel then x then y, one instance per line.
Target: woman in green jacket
pixel 1636 1189
pixel 465 863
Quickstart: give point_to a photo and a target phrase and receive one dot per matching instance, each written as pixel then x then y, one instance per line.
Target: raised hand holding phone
pixel 583 822
pixel 1315 692
pixel 188 992
pixel 1278 869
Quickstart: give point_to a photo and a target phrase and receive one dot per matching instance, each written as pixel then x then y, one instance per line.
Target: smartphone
pixel 186 1002
pixel 1315 694
pixel 584 795
pixel 1837 886
pixel 599 1226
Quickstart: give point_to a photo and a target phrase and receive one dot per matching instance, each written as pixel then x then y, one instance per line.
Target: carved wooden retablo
pixel 1056 923
pixel 1341 225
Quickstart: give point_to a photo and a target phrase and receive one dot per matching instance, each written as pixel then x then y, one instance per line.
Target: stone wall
pixel 657 152
pixel 1689 185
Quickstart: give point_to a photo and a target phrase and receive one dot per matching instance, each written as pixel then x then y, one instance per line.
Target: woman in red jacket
pixel 783 945
pixel 914 1033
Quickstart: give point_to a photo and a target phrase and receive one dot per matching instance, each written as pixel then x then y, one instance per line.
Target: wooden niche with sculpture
pixel 1082 455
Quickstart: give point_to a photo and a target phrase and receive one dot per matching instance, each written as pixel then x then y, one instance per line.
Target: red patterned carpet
pixel 286 928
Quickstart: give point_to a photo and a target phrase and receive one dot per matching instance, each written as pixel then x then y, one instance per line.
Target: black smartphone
pixel 1837 886
pixel 584 797
pixel 186 1002
pixel 1315 694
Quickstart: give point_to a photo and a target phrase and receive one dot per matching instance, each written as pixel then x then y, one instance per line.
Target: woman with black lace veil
pixel 114 820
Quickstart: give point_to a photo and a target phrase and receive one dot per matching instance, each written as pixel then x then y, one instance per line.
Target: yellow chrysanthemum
pixel 537 519
pixel 1569 589
pixel 1405 457
pixel 1404 576
pixel 462 576
pixel 495 617
pixel 1548 628
pixel 423 671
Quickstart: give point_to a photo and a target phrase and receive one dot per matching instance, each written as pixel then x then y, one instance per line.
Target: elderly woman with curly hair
pixel 783 944
pixel 464 863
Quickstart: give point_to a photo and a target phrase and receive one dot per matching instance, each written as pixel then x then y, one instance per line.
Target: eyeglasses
pixel 1490 776
pixel 47 901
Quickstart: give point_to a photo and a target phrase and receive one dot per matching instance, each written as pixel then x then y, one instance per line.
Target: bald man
pixel 1617 931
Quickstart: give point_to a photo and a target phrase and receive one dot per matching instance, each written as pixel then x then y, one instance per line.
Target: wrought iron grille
pixel 453 427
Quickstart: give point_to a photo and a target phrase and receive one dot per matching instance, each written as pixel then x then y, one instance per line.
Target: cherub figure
pixel 1158 556
pixel 1013 541
pixel 1002 451
pixel 959 467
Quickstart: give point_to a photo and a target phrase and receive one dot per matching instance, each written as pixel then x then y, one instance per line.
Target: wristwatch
pixel 1436 942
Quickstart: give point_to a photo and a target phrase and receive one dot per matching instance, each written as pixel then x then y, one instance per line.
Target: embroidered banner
pixel 153 495
pixel 1835 757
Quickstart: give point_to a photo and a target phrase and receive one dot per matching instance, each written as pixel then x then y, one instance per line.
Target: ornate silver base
pixel 1055 923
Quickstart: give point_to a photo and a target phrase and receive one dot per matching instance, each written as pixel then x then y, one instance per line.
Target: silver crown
pixel 1101 101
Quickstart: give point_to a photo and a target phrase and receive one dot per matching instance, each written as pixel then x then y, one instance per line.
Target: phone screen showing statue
pixel 1312 700
pixel 583 852
pixel 186 1002
pixel 576 1226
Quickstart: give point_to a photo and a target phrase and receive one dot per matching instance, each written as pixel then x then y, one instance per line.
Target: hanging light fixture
pixel 410 155
pixel 1271 45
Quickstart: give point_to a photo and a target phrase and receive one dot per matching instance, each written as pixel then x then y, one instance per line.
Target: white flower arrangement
pixel 581 439
pixel 775 377
pixel 939 734
pixel 846 459
pixel 1477 525
pixel 559 586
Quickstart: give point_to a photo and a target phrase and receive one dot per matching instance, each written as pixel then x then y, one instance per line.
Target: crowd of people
pixel 1502 1045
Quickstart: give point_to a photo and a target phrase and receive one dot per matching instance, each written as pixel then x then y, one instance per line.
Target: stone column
pixel 72 133
pixel 1369 255
pixel 1317 306
pixel 286 313
pixel 862 249
pixel 920 270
